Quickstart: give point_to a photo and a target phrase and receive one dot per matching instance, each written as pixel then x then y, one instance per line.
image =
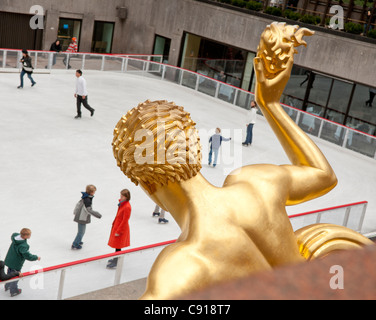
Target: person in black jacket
pixel 56 46
pixel 26 68
pixel 4 276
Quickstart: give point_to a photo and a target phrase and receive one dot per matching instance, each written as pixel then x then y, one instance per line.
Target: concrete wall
pixel 338 56
pixel 327 53
pixel 86 10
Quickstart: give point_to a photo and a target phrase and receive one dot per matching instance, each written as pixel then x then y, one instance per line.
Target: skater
pixel 216 141
pixel 4 276
pixel 82 214
pixel 17 254
pixel 251 120
pixel 158 212
pixel 26 68
pixel 372 93
pixel 81 95
pixel 120 236
pixel 72 48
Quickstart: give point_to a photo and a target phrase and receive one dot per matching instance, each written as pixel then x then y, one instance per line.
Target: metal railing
pixel 50 60
pixel 87 275
pixel 82 276
pixel 341 135
pixel 348 215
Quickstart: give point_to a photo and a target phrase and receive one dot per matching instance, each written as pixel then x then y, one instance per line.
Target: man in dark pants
pixel 81 95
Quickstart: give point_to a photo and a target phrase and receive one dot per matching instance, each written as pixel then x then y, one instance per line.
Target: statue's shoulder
pixel 254 172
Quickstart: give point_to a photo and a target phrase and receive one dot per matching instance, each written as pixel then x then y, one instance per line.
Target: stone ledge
pixel 126 291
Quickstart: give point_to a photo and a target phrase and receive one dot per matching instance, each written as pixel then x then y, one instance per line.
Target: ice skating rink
pixel 47 158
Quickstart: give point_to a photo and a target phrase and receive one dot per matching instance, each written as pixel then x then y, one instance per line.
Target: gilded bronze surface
pixel 242 227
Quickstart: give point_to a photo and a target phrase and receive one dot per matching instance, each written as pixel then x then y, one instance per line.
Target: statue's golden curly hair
pixel 157 142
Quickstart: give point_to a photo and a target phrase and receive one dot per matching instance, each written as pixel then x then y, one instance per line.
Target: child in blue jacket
pixel 216 141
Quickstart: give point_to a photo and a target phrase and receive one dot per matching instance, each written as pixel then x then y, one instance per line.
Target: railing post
pixel 67 61
pixel 61 285
pixel 163 72
pixel 320 129
pixel 362 217
pixel 217 90
pixel 119 269
pixel 346 217
pixel 83 62
pixel 19 55
pixel 5 58
pixel 50 60
pixel 122 65
pixel 126 64
pixel 147 64
pixel 197 81
pixel 235 96
pixel 102 66
pixel 36 60
pixel 181 77
pixel 298 118
pixel 345 138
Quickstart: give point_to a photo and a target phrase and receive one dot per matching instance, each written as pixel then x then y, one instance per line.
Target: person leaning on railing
pixel 72 48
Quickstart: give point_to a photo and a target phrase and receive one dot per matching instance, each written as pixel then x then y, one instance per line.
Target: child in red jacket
pixel 120 236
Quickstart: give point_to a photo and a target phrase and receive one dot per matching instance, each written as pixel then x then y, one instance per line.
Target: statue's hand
pixel 275 58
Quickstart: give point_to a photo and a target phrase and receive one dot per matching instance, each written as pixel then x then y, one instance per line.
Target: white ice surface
pixel 47 158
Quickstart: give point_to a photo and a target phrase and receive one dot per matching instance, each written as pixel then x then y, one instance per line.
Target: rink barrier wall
pixel 152 66
pixel 349 215
pixel 65 266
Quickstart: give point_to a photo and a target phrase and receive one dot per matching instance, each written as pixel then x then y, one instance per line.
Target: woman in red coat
pixel 120 236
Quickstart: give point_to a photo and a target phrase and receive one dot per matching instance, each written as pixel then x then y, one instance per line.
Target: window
pixel 68 28
pixel 296 88
pixel 339 100
pixel 361 116
pixel 162 47
pixel 102 37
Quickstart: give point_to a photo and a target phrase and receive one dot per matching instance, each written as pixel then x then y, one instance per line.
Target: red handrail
pixel 328 209
pixel 104 256
pixel 109 255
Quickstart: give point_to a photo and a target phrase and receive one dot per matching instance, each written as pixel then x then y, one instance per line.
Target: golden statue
pixel 242 227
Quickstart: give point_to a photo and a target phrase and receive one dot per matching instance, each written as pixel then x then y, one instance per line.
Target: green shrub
pixel 307 18
pixel 293 15
pixel 372 33
pixel 274 11
pixel 238 3
pixel 354 28
pixel 254 5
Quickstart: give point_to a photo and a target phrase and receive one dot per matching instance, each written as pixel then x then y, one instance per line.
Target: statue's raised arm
pixel 311 174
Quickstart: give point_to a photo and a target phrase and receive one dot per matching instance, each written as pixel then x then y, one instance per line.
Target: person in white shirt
pixel 250 121
pixel 81 94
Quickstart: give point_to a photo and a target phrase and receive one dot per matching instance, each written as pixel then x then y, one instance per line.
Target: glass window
pixel 295 90
pixel 214 59
pixel 68 28
pixel 319 93
pixel 162 47
pixel 339 100
pixel 249 74
pixel 102 37
pixel 190 52
pixel 362 116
